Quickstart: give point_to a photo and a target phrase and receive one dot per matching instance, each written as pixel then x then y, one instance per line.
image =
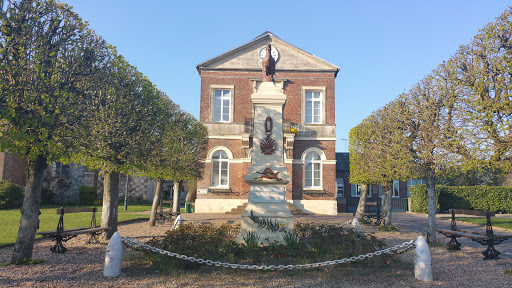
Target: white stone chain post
pixel 177 222
pixel 357 226
pixel 422 260
pixel 113 256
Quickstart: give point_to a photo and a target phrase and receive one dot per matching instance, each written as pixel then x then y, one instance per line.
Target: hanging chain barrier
pixel 398 249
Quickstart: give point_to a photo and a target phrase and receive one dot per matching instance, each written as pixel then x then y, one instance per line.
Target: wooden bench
pixel 372 212
pixel 488 238
pixel 163 215
pixel 62 235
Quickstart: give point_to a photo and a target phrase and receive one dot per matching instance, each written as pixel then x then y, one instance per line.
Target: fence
pixel 399 205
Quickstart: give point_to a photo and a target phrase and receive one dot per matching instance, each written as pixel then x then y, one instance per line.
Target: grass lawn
pixel 10 219
pixel 505 223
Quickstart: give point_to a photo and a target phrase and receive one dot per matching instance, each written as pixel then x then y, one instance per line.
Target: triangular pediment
pixel 246 57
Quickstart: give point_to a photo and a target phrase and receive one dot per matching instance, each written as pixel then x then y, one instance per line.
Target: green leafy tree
pixel 380 151
pixel 360 143
pixel 430 105
pixel 46 52
pixel 180 157
pixel 484 109
pixel 117 128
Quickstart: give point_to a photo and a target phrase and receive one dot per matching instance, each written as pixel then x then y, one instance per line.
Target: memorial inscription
pixel 265 193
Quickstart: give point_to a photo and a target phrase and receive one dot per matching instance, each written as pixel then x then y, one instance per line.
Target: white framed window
pixel 355 190
pixel 313 107
pixel 370 188
pixel 313 103
pixel 220 169
pixel 341 188
pixel 380 190
pixel 413 182
pixel 396 188
pixel 313 170
pixel 221 105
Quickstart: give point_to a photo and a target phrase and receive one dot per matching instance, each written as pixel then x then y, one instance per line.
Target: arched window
pixel 313 170
pixel 220 169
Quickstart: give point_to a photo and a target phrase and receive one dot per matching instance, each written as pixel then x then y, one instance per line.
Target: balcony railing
pixel 287 124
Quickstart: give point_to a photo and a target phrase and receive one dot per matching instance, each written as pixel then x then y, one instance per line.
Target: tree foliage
pixel 46 52
pixel 179 154
pixel 455 120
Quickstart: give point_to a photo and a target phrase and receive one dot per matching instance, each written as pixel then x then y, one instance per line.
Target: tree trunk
pixel 110 203
pixel 29 222
pixel 431 191
pixel 387 206
pixel 191 190
pixel 177 197
pixel 156 200
pixel 362 202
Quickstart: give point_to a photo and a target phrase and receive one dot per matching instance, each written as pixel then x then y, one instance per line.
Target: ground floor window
pixel 355 190
pixel 396 188
pixel 413 182
pixel 220 169
pixel 341 187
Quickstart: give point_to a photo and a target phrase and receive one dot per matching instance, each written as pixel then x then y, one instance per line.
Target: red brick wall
pixel 244 88
pixel 328 147
pixel 12 168
pixel 243 108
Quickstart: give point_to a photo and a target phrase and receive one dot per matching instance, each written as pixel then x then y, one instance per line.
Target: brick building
pixel 12 168
pixel 349 193
pixel 227 83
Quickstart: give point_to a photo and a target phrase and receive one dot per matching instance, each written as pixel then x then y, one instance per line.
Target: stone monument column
pixel 267 212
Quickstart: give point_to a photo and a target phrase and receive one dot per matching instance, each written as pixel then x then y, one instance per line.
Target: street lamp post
pixel 126 194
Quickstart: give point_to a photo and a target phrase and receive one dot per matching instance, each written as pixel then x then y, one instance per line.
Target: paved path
pixel 418 223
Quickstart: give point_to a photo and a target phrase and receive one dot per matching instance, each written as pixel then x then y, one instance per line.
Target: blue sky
pixel 381 47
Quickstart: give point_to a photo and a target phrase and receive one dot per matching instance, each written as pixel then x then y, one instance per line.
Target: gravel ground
pixel 82 265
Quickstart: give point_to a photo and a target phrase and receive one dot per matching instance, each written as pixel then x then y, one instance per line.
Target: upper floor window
pixel 313 107
pixel 313 170
pixel 220 169
pixel 313 103
pixel 222 105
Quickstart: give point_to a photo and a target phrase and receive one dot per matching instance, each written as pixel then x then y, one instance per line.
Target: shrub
pixel 497 199
pixel 307 244
pixel 204 241
pixel 11 195
pixel 86 195
pixel 47 195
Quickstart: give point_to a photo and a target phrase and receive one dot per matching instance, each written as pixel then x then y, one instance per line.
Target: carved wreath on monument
pixel 268 145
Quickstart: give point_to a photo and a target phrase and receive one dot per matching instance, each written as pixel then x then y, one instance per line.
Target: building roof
pixel 245 57
pixel 342 161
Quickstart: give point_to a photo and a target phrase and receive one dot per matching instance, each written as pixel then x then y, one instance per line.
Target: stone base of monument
pixel 267 220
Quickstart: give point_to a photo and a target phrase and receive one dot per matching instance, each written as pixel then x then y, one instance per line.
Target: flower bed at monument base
pixel 309 243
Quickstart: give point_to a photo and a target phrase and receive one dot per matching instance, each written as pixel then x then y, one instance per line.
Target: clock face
pixel 273 52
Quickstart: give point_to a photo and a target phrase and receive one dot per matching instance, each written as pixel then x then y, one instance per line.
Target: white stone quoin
pixel 422 260
pixel 267 197
pixel 113 256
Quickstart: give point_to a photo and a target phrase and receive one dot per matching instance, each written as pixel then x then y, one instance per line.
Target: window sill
pixel 313 191
pixel 219 190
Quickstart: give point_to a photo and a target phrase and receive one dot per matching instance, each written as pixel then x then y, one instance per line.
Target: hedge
pixel 86 195
pixel 11 195
pixel 494 198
